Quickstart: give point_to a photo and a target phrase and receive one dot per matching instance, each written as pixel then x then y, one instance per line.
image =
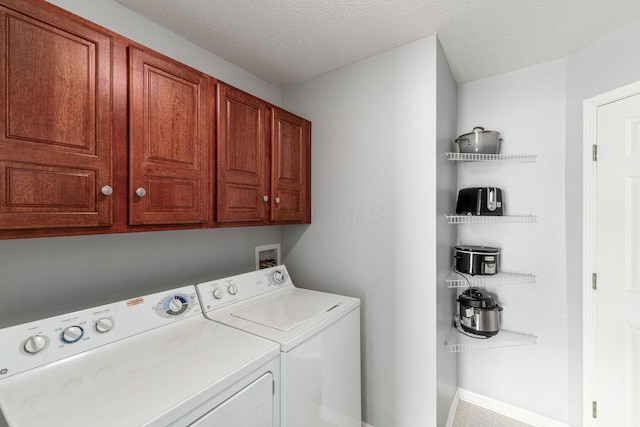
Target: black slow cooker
pixel 474 260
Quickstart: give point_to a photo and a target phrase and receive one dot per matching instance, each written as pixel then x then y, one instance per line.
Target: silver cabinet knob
pixel 277 199
pixel 265 198
pixel 141 192
pixel 107 190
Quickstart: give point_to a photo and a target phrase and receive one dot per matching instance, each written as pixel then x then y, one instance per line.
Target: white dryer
pixel 148 361
pixel 319 338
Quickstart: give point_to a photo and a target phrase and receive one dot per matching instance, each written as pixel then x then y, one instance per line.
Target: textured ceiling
pixel 288 41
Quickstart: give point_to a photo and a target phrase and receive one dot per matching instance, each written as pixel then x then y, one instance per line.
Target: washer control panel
pixel 223 292
pixel 44 341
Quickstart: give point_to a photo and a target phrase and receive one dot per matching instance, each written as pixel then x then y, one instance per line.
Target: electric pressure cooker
pixel 479 315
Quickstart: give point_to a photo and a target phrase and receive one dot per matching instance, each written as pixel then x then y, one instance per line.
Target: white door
pixel 617 264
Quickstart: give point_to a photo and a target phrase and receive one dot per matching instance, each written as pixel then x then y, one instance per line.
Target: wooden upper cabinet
pixel 291 168
pixel 55 115
pixel 243 157
pixel 169 114
pixel 263 161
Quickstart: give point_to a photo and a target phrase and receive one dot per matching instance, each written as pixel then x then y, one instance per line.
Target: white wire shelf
pixel 460 280
pixel 458 340
pixel 477 157
pixel 489 219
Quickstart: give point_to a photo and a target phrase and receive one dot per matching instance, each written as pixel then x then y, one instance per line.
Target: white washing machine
pixel 319 338
pixel 148 361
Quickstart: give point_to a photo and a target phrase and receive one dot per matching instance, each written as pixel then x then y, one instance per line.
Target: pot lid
pixel 478 249
pixel 477 130
pixel 474 298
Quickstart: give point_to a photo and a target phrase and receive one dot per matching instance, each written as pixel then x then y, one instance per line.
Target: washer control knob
pixel 175 305
pixel 71 334
pixel 279 276
pixel 104 325
pixel 233 289
pixel 217 293
pixel 35 344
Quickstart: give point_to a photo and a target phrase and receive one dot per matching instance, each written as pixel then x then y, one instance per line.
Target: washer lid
pixel 288 310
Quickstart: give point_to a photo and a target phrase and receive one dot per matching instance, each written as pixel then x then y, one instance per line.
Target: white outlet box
pixel 267 256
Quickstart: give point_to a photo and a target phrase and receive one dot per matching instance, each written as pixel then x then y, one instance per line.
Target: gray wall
pixel 377 138
pixel 446 235
pixel 45 277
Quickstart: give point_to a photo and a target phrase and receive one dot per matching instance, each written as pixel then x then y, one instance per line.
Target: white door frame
pixel 590 108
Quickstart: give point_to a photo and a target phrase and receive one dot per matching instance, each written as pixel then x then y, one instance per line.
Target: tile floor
pixel 469 415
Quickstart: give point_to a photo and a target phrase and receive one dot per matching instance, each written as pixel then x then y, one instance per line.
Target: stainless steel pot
pixel 479 141
pixel 478 313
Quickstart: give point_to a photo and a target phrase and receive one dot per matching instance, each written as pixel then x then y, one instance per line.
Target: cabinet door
pixel 291 168
pixel 169 138
pixel 243 169
pixel 55 119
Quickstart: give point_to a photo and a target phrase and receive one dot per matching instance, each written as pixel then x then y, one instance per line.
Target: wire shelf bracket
pixel 489 219
pixel 478 157
pixel 458 341
pixel 456 279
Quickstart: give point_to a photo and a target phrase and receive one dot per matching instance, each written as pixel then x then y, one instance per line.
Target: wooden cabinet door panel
pixel 55 125
pixel 169 137
pixel 291 170
pixel 243 170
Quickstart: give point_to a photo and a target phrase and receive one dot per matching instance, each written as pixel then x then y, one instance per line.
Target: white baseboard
pixel 453 409
pixel 366 425
pixel 501 408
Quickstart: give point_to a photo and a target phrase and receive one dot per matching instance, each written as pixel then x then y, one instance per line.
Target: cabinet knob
pixel 141 192
pixel 107 190
pixel 277 199
pixel 265 198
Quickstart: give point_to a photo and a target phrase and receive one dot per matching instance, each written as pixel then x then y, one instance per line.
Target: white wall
pixel 610 63
pixel 446 184
pixel 528 107
pixel 43 277
pixel 374 235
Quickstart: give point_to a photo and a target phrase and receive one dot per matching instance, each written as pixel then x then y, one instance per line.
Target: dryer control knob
pixel 232 289
pixel 35 344
pixel 217 293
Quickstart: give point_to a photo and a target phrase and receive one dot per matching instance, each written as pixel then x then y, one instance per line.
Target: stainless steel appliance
pixel 479 314
pixel 483 260
pixel 479 141
pixel 480 201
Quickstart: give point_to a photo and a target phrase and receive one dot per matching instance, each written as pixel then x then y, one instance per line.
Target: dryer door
pixel 250 407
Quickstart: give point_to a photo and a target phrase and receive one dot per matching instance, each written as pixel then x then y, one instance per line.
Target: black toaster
pixel 480 201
